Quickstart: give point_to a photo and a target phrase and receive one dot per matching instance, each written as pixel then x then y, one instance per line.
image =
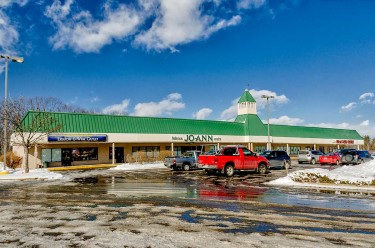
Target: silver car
pixel 307 156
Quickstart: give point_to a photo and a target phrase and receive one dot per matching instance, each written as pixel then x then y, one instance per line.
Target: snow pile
pixel 363 174
pixel 41 174
pixel 131 167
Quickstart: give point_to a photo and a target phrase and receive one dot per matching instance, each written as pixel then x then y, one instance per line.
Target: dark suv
pixel 353 156
pixel 277 159
pixel 363 156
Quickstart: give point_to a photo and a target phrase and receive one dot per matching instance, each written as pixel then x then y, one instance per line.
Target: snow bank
pixel 131 167
pixel 41 174
pixel 358 175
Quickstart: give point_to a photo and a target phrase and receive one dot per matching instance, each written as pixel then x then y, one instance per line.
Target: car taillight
pixel 174 161
pixel 215 160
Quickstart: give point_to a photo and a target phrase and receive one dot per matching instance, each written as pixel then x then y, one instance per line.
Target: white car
pixel 373 155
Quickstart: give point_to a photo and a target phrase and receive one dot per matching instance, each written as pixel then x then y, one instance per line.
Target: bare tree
pixel 29 129
pixel 24 104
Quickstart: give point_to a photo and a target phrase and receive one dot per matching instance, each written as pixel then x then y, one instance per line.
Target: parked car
pixel 352 156
pixel 307 156
pixel 363 156
pixel 185 162
pixel 331 158
pixel 373 155
pixel 277 158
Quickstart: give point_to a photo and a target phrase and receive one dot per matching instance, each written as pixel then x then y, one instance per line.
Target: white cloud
pixel 79 31
pixel 231 112
pixel 366 95
pixel 275 102
pixel 8 31
pixel 202 114
pixel 365 123
pixel 285 120
pixel 167 106
pixel 180 22
pixel 249 4
pixel 118 109
pixel 348 107
pixel 366 98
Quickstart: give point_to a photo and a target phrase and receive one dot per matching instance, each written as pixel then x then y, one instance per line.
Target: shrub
pixel 13 161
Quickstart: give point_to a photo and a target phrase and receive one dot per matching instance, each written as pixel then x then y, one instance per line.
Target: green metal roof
pixel 246 97
pixel 254 125
pixel 244 125
pixel 98 123
pixel 313 132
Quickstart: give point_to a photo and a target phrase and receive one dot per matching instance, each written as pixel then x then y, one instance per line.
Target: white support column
pixel 172 149
pixel 218 146
pixel 36 156
pixel 338 147
pixel 287 149
pixel 314 146
pixel 113 153
pixel 249 146
pixel 358 147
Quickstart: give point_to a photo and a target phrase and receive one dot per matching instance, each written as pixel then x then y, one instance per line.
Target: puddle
pixel 330 201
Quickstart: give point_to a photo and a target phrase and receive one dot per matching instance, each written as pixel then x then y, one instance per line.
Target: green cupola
pixel 247 104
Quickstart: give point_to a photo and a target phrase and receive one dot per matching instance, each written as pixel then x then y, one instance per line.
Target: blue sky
pixel 194 58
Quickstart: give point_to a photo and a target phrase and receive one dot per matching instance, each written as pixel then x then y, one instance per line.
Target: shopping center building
pixel 86 139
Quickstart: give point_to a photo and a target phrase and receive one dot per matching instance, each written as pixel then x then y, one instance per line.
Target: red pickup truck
pixel 233 158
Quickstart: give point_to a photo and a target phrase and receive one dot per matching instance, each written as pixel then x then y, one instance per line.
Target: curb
pixel 82 167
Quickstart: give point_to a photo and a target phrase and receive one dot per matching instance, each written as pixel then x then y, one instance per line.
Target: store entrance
pixel 119 154
pixel 66 157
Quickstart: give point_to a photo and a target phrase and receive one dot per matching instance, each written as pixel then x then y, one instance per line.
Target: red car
pixel 331 158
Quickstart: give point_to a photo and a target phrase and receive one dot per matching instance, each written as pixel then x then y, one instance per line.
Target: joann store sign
pixel 196 138
pixel 77 138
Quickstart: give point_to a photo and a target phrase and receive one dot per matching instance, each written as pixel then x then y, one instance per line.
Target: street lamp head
pixel 13 58
pixel 266 96
pixel 18 59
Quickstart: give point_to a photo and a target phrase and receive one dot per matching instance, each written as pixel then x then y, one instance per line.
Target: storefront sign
pixel 196 138
pixel 346 142
pixel 77 138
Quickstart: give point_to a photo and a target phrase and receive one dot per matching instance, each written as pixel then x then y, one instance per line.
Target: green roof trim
pixel 99 123
pixel 244 125
pixel 313 132
pixel 246 97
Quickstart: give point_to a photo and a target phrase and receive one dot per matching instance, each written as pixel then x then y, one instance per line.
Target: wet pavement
pixel 163 208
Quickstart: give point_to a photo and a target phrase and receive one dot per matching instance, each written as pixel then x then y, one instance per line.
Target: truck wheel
pixel 262 169
pixel 186 167
pixel 229 170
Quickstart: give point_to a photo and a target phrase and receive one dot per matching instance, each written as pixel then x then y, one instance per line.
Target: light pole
pixel 13 59
pixel 268 120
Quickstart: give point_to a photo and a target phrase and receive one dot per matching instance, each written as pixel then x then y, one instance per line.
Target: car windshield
pixel 265 153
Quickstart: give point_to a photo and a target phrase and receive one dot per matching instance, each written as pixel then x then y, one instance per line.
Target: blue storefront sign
pixel 77 138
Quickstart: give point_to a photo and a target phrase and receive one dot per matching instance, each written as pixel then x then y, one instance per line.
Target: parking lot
pixel 164 208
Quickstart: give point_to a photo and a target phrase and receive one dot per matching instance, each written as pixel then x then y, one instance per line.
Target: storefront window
pixel 51 155
pixel 294 150
pixel 259 149
pixel 281 148
pixel 81 154
pixel 150 151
